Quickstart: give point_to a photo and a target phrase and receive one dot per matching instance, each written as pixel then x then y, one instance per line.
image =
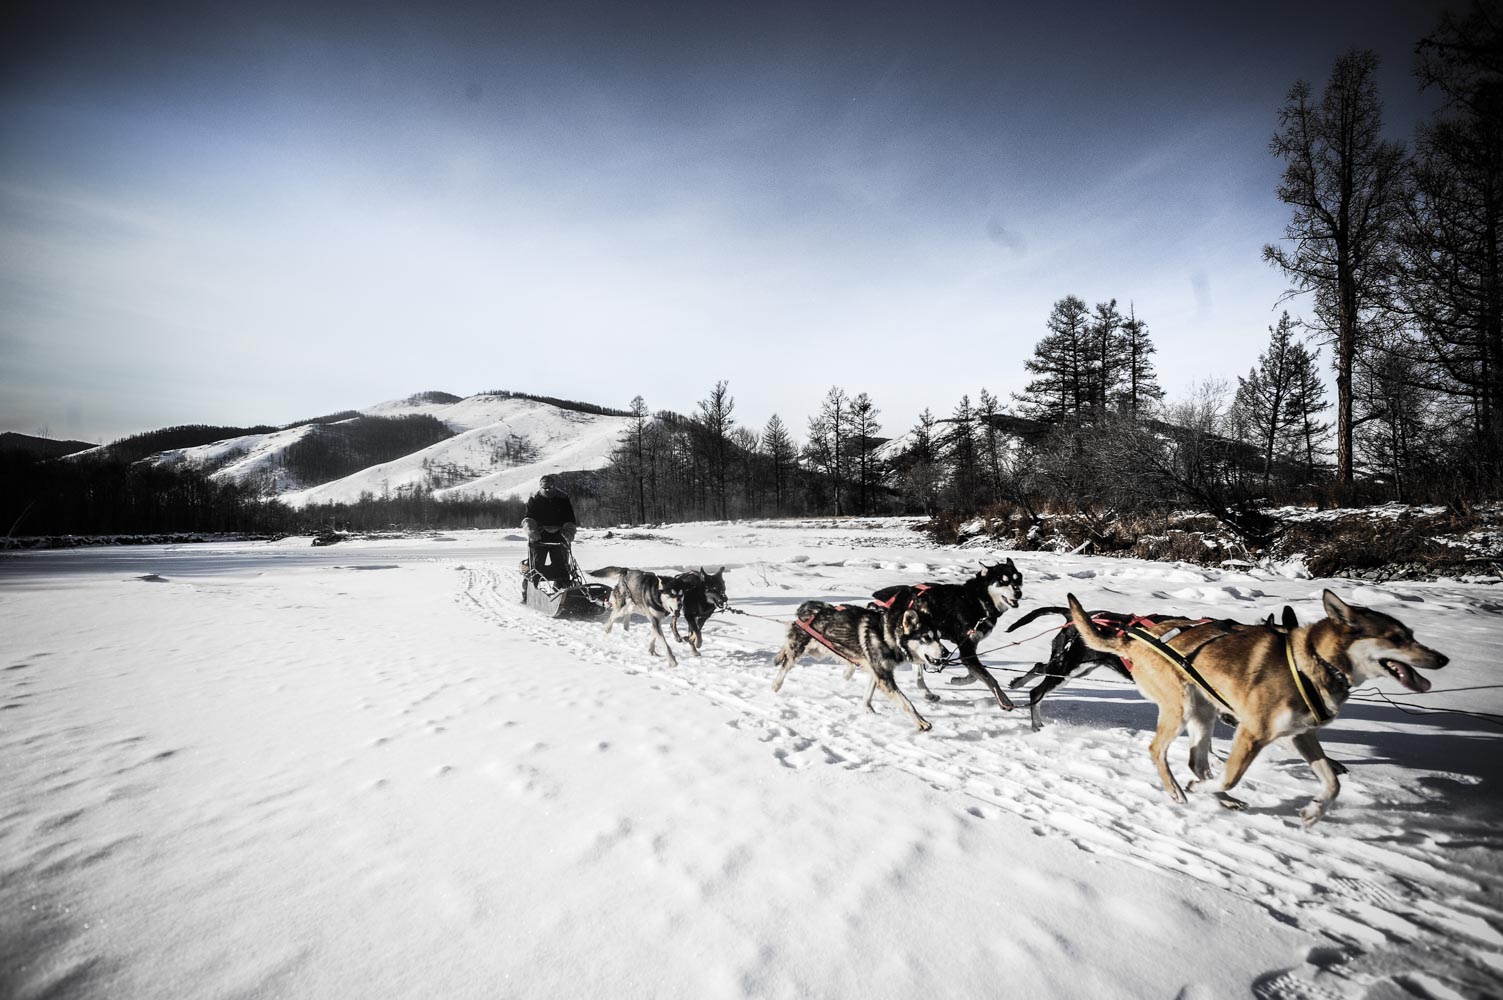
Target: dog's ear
pixel 1290 619
pixel 1336 609
pixel 910 620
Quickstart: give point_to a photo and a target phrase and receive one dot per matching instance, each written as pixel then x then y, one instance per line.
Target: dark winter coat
pixel 550 508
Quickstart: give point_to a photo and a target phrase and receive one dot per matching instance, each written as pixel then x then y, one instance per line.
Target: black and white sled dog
pixel 702 594
pixel 872 639
pixel 964 614
pixel 653 596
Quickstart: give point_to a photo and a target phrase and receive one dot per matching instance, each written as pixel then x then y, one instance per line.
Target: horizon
pixel 240 216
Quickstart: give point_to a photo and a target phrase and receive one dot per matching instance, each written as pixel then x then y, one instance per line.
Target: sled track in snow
pixel 1383 888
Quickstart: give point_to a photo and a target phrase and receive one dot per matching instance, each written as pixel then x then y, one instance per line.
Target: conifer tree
pixel 1262 399
pixel 778 446
pixel 1060 389
pixel 863 431
pixel 961 455
pixel 1140 383
pixel 715 417
pixel 1107 361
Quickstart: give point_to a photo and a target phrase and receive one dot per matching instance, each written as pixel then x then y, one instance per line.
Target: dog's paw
pixel 930 696
pixel 1312 812
pixel 924 725
pixel 1227 802
pixel 1177 793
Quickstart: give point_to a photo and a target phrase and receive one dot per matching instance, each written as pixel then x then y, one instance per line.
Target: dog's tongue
pixel 1411 679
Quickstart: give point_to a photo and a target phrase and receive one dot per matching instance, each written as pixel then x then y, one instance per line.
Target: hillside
pixel 501 445
pixel 42 447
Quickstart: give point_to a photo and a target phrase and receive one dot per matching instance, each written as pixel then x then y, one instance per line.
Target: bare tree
pixel 828 448
pixel 1452 292
pixel 1345 184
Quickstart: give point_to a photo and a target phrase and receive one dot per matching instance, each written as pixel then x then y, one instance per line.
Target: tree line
pixel 1397 255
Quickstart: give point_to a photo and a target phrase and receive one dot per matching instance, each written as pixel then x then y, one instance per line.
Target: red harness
pixel 814 634
pixel 886 605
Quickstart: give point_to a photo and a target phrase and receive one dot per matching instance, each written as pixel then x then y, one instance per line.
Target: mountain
pixel 494 444
pixel 41 447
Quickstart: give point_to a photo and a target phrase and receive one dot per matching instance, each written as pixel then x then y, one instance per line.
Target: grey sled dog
pixel 876 641
pixel 1279 684
pixel 654 596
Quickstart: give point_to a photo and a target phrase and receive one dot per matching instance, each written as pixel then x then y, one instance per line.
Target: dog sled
pixel 567 597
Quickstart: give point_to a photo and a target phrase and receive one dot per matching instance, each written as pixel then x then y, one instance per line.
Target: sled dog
pixel 964 614
pixel 874 640
pixel 703 595
pixel 654 596
pixel 1070 657
pixel 1277 682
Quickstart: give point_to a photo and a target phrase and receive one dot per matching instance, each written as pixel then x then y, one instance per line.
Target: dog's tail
pixel 1092 636
pixel 609 572
pixel 1036 614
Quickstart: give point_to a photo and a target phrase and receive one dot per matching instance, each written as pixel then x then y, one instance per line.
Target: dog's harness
pixel 804 623
pixel 917 588
pixel 1306 687
pixel 1186 664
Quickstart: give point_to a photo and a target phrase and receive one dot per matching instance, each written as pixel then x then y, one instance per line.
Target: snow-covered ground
pixel 263 769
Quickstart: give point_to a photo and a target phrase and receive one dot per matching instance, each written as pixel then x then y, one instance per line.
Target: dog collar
pixel 1339 682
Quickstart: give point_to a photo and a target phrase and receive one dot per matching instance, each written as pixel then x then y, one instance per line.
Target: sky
pixel 256 213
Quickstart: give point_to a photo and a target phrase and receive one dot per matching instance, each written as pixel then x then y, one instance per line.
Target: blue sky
pixel 247 214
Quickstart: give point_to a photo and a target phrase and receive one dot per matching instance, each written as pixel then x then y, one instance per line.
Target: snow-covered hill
pixel 502 446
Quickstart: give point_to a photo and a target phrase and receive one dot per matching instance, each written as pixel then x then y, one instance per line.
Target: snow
pixel 269 769
pixel 563 441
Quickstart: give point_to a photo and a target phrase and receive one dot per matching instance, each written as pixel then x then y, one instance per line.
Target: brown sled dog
pixel 1277 683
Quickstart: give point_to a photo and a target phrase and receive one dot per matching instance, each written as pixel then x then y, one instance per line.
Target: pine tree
pixel 923 471
pixel 1060 391
pixel 1263 396
pixel 637 434
pixel 863 431
pixel 1140 382
pixel 715 416
pixel 961 455
pixel 1307 400
pixel 1107 363
pixel 781 456
pixel 988 412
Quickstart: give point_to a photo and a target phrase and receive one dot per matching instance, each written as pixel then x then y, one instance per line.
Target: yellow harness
pixel 1305 686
